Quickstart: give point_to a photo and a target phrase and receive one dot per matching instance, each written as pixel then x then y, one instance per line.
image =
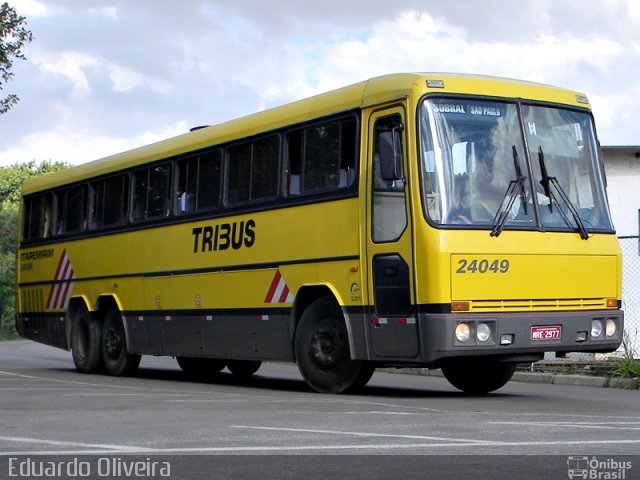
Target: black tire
pixel 85 341
pixel 117 361
pixel 321 346
pixel 243 368
pixel 478 377
pixel 366 372
pixel 200 367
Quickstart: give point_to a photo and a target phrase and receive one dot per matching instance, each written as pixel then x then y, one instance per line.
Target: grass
pixel 628 367
pixel 8 334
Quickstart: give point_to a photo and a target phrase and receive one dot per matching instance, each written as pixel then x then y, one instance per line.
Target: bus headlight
pixel 483 332
pixel 463 332
pixel 611 327
pixel 596 328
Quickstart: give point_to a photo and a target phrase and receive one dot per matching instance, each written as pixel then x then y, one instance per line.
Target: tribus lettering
pixel 213 238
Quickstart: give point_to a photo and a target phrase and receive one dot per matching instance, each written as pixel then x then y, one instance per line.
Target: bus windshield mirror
pixel 546 182
pixel 515 188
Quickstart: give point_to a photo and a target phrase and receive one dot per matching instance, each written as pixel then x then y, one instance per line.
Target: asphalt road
pixel 400 426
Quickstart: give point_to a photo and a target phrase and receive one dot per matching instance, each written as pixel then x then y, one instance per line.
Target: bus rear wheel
pixel 243 368
pixel 478 377
pixel 85 341
pixel 321 347
pixel 200 367
pixel 116 359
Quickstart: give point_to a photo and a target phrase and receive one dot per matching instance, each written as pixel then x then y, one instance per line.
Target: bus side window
pixel 151 192
pixel 186 184
pixel 75 209
pixel 348 152
pixel 209 176
pixel 253 170
pixel 321 162
pixel 264 168
pixel 110 201
pixel 293 157
pixel 239 173
pixel 322 157
pixel 37 217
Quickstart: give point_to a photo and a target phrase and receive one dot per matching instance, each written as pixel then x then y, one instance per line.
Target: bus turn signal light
pixel 459 306
pixel 612 303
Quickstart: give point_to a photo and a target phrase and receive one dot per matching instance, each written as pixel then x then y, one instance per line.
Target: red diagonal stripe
pixel 273 287
pixel 284 294
pixel 55 277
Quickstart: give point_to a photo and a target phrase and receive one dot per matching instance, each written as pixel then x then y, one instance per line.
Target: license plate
pixel 546 333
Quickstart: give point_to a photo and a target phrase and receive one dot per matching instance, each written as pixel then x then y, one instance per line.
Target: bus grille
pixel 540 305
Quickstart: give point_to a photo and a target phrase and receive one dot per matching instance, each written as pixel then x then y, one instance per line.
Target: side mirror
pixel 390 150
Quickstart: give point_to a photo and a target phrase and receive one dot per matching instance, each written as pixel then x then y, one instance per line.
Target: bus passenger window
pixel 151 193
pixel 239 174
pixel 37 217
pixel 253 171
pixel 294 159
pixel 209 176
pixel 71 210
pixel 264 168
pixel 321 157
pixel 348 152
pixel 186 184
pixel 111 200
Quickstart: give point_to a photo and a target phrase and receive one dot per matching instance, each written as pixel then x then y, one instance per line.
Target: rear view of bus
pixel 517 244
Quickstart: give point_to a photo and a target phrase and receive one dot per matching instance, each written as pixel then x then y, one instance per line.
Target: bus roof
pixel 370 92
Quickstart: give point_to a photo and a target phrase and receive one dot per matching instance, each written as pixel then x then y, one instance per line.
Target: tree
pixel 14 36
pixel 11 180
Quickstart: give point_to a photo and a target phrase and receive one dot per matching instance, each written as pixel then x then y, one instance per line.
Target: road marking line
pixel 362 434
pixel 119 394
pixel 298 448
pixel 61 443
pixel 11 374
pixel 599 425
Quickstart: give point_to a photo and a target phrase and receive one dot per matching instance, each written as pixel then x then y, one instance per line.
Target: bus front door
pixel 392 319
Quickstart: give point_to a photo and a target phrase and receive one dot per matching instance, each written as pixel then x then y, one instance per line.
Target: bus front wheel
pixel 85 341
pixel 478 377
pixel 321 347
pixel 117 360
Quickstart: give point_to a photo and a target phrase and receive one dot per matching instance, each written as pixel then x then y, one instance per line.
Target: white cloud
pixel 80 145
pixel 71 65
pixel 125 79
pixel 30 8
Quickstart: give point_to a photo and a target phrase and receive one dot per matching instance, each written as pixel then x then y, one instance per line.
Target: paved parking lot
pixel 48 408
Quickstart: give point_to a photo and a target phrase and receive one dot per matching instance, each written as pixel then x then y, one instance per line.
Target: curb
pixel 535 377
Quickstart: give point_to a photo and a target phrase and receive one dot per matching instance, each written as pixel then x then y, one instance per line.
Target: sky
pixel 104 76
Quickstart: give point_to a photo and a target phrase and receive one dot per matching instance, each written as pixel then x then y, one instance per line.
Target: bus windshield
pixel 495 165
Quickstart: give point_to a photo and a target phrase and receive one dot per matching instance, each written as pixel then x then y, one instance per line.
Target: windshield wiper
pixel 546 183
pixel 515 188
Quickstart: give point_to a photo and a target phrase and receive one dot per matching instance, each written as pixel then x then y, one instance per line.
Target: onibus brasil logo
pixel 597 468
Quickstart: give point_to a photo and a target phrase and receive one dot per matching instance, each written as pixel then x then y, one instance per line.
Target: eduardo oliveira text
pixel 111 467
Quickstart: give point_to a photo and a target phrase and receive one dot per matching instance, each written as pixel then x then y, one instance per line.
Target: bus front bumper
pixel 509 336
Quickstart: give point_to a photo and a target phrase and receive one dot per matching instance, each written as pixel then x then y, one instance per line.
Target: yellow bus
pixel 433 220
